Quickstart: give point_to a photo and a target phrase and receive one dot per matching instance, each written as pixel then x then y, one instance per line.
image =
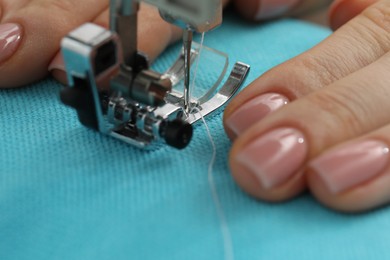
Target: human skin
pixel 316 122
pixel 319 121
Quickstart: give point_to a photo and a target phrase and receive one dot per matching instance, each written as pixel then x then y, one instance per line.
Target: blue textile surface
pixel 70 193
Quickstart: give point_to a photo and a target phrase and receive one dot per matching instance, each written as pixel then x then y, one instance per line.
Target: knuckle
pixel 379 14
pixel 64 6
pixel 338 109
pixel 376 24
pixel 322 67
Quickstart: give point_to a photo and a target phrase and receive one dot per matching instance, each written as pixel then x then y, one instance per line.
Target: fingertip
pixel 341 11
pixel 256 165
pixel 57 68
pixel 252 111
pixel 12 47
pixel 339 14
pixel 257 10
pixel 20 60
pixel 257 101
pixel 154 33
pixel 367 196
pixel 250 184
pixel 57 63
pixel 341 202
pixel 60 76
pixel 247 8
pixel 10 40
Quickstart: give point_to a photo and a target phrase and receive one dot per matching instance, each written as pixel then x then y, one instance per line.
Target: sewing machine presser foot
pixel 124 99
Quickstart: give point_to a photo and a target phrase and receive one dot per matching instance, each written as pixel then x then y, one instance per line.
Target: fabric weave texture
pixel 70 193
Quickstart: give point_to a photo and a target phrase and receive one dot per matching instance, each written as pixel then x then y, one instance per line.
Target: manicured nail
pixel 274 8
pixel 10 38
pixel 57 69
pixel 352 164
pixel 253 111
pixel 57 63
pixel 274 157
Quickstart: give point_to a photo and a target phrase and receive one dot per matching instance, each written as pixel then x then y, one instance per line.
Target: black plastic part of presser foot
pixel 177 133
pixel 80 98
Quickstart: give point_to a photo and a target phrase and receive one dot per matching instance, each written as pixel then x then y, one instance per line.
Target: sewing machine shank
pixel 115 93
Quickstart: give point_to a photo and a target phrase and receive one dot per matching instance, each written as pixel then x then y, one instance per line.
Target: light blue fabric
pixel 70 193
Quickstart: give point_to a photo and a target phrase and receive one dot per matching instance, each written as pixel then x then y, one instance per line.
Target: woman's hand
pixel 321 120
pixel 330 132
pixel 31 31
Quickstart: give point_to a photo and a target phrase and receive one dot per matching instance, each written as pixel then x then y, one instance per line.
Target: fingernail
pixel 254 110
pixel 335 4
pixel 274 157
pixel 274 8
pixel 339 13
pixel 10 38
pixel 351 164
pixel 57 69
pixel 57 63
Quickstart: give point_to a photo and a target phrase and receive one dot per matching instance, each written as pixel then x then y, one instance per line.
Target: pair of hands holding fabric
pixel 319 121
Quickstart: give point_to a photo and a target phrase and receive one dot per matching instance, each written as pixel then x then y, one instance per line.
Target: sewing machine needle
pixel 187 45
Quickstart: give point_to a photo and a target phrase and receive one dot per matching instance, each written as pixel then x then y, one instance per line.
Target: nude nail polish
pixel 352 164
pixel 274 157
pixel 10 38
pixel 254 110
pixel 57 63
pixel 274 8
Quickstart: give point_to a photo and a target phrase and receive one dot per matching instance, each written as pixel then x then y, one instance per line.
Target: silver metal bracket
pixel 115 93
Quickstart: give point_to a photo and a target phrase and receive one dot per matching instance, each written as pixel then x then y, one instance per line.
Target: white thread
pixel 227 238
pixel 228 243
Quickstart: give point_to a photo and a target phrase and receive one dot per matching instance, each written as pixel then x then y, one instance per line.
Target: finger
pixel 362 41
pixel 57 69
pixel 355 175
pixel 32 31
pixel 155 34
pixel 341 11
pixel 41 25
pixel 277 149
pixel 257 10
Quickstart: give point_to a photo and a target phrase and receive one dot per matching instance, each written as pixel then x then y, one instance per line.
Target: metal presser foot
pixel 114 91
